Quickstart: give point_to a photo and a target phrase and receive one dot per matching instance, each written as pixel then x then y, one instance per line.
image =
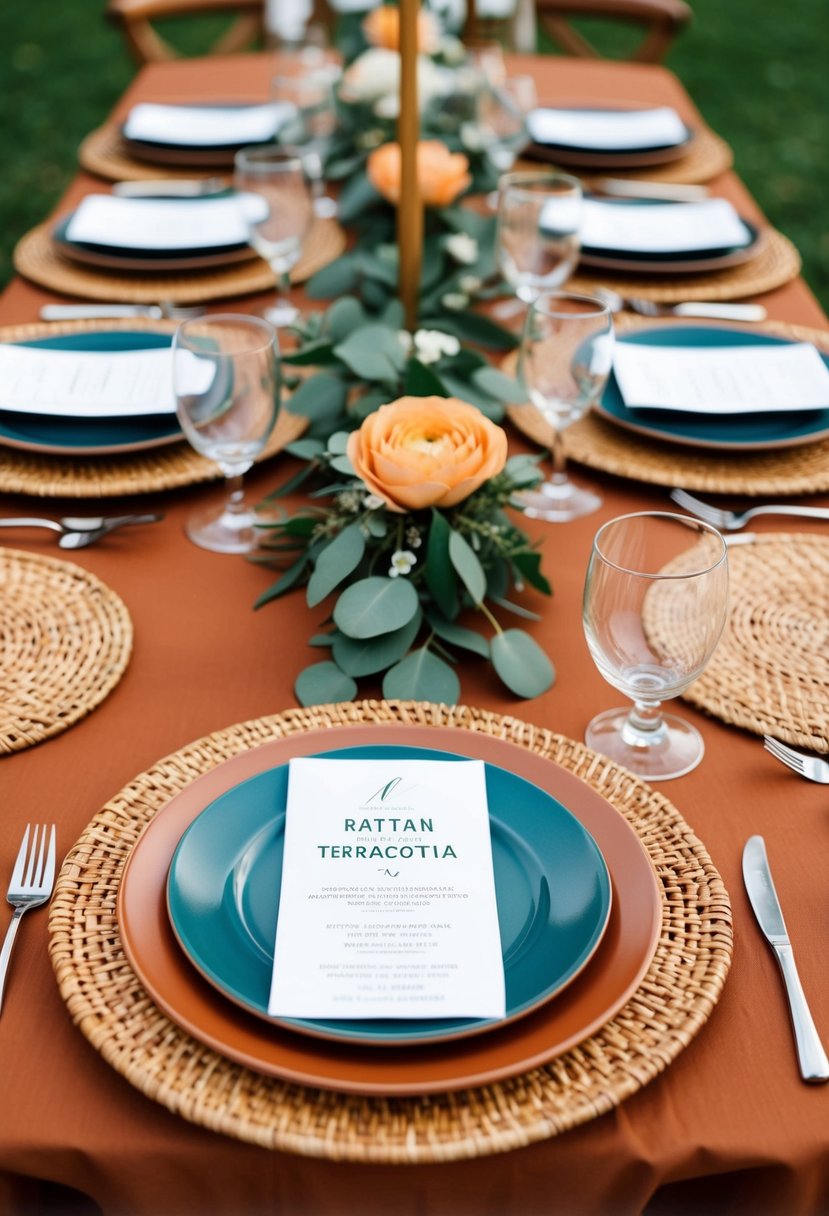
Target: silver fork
pixel 810 767
pixel 31 885
pixel 165 310
pixel 732 521
pixel 713 310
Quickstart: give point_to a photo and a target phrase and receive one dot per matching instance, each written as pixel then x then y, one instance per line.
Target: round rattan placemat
pixel 707 157
pixel 612 449
pixel 775 262
pixel 164 468
pixel 106 153
pixel 65 641
pixel 108 1003
pixel 37 257
pixel 770 671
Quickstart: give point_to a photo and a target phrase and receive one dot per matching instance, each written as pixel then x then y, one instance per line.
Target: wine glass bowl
pixel 539 217
pixel 655 604
pixel 565 359
pixel 312 125
pixel 276 177
pixel 503 106
pixel 226 384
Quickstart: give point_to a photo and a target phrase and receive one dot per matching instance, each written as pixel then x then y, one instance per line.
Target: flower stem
pixel 482 606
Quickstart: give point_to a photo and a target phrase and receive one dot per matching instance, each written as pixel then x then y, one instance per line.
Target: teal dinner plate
pixel 726 432
pixel 90 436
pixel 551 883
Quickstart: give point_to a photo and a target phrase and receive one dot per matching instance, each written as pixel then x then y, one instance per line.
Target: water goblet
pixel 539 216
pixel 312 125
pixel 503 106
pixel 565 359
pixel 655 604
pixel 226 384
pixel 276 203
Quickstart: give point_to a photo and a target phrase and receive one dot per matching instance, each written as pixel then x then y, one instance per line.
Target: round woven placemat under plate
pixel 164 468
pixel 707 157
pixel 770 671
pixel 776 262
pixel 65 641
pixel 612 449
pixel 112 1009
pixel 107 154
pixel 37 257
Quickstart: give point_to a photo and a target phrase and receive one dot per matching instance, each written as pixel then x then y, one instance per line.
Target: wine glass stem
pixel 558 458
pixel 235 504
pixel 644 726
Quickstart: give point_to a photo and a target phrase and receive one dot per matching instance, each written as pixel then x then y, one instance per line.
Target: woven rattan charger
pixel 109 1004
pixel 89 477
pixel 65 641
pixel 611 449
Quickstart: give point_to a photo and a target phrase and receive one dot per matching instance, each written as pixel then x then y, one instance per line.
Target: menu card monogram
pixel 387 906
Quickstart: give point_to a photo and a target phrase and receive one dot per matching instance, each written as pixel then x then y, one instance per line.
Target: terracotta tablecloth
pixel 728 1127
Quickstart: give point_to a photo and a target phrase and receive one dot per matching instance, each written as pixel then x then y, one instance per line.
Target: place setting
pixel 195 864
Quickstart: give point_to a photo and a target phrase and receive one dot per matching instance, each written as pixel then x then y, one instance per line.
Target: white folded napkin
pixel 608 130
pixel 205 126
pixel 662 227
pixel 86 384
pixel 721 379
pixel 164 224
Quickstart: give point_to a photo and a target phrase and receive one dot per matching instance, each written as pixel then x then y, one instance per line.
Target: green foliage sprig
pixel 403 587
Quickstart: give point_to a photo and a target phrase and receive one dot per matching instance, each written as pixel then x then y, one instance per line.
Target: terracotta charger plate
pixel 592 999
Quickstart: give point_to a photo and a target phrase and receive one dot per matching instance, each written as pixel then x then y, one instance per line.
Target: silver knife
pixel 184 188
pixel 814 1066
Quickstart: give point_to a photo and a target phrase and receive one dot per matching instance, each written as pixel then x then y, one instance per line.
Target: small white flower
pixel 454 301
pixel 473 137
pixel 372 502
pixel 469 283
pixel 371 139
pixel 463 248
pixel 405 339
pixel 452 49
pixel 387 107
pixel 432 344
pixel 413 537
pixel 349 500
pixel 402 561
pixel 376 74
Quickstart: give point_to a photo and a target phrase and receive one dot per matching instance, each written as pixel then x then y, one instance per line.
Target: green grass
pixel 756 69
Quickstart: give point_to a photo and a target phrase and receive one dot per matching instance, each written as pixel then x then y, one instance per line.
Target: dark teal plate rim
pixel 552 886
pixel 736 432
pixel 91 436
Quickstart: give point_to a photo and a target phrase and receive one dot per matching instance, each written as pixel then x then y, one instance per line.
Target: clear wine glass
pixel 276 203
pixel 655 604
pixel 565 359
pixel 226 383
pixel 539 217
pixel 503 106
pixel 311 129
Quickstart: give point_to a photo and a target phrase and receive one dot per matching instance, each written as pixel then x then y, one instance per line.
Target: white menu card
pixel 86 384
pixel 387 906
pixel 205 126
pixel 608 130
pixel 722 379
pixel 165 224
pixel 662 227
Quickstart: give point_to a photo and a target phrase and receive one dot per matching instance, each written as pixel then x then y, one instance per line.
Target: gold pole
pixel 470 26
pixel 410 209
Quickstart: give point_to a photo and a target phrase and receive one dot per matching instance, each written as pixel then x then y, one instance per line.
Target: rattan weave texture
pixel 65 641
pixel 111 1008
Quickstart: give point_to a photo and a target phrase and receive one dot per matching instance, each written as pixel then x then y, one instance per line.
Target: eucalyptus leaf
pixel 521 664
pixel 475 327
pixel 466 391
pixel 306 449
pixel 375 605
pixel 369 655
pixel 422 676
pixel 456 635
pixel 336 279
pixel 288 580
pixel 421 381
pixel 376 525
pixel 517 609
pixel 319 398
pixel 496 384
pixel 368 403
pixel 467 565
pixel 342 317
pixel 324 684
pixel 529 565
pixel 373 352
pixel 323 640
pixel 375 294
pixel 314 354
pixel 356 195
pixel 343 465
pixel 394 315
pixel 336 561
pixel 337 443
pixel 438 571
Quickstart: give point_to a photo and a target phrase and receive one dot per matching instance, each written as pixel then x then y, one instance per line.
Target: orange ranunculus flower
pixel 423 452
pixel 442 175
pixel 382 28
